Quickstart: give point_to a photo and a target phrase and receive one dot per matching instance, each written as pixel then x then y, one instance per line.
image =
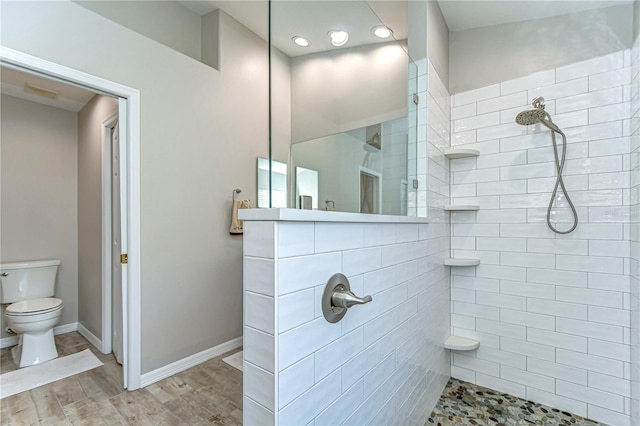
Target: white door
pixel 116 249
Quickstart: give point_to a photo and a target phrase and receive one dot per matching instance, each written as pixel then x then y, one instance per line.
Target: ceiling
pixel 466 14
pixel 313 18
pixel 316 17
pixel 70 98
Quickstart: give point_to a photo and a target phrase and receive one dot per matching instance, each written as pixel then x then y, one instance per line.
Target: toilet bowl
pixel 27 289
pixel 33 320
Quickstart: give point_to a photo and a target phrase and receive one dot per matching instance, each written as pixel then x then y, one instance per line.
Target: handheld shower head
pixel 534 115
pixel 530 116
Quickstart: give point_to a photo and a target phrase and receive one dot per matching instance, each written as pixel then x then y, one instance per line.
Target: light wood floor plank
pixel 94 410
pixel 46 404
pixel 210 393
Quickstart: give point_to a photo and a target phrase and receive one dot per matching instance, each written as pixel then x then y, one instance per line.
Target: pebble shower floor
pixel 463 403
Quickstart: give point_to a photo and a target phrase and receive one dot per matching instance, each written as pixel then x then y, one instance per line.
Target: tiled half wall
pixel 635 232
pixel 384 363
pixel 552 312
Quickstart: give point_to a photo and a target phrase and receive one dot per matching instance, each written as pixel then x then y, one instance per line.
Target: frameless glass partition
pixel 342 113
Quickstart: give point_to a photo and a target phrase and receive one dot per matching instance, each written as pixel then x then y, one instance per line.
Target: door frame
pixel 107 234
pixel 129 109
pixel 376 174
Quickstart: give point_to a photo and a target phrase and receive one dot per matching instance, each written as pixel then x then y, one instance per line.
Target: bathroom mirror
pixel 343 110
pixel 277 197
pixel 362 170
pixel 307 185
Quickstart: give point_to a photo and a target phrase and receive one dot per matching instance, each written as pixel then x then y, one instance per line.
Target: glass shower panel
pixel 339 110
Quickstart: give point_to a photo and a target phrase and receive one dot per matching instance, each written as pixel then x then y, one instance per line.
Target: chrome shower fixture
pixel 536 115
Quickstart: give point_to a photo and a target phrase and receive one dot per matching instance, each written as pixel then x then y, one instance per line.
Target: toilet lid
pixel 28 307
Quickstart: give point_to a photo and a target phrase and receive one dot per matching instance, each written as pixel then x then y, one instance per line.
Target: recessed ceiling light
pixel 382 31
pixel 338 37
pixel 301 41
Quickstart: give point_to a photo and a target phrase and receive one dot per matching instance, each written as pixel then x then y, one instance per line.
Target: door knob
pixel 338 297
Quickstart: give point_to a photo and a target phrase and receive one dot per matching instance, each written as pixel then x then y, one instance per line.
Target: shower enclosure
pixel 555 313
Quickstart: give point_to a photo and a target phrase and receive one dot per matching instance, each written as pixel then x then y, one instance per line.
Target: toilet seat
pixel 34 306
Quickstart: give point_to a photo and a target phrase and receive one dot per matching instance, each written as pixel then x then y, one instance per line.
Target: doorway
pixel 370 191
pixel 127 170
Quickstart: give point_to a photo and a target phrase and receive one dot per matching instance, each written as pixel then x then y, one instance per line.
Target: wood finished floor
pixel 210 393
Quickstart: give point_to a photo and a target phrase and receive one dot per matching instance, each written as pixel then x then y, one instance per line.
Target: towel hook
pixel 235 191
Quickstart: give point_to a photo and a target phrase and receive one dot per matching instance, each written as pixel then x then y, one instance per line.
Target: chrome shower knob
pixel 338 297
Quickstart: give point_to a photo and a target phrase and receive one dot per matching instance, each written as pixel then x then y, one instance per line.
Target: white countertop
pixel 296 215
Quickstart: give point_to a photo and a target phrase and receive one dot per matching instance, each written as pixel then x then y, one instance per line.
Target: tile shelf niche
pixel 454 153
pixel 458 343
pixel 461 208
pixel 461 261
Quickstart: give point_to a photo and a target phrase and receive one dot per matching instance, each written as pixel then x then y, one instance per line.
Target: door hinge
pixel 415 184
pixel 124 258
pixel 416 99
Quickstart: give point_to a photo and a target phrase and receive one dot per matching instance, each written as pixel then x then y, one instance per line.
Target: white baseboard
pixel 5 342
pixel 91 338
pixel 188 362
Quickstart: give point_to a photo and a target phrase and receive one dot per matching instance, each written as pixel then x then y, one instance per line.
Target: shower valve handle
pixel 337 298
pixel 346 298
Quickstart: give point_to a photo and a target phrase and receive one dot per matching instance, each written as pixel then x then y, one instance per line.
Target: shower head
pixel 536 115
pixel 531 116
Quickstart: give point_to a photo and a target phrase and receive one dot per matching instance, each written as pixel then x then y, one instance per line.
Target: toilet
pixel 32 312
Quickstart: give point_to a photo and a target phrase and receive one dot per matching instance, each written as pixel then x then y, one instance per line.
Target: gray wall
pixel 489 55
pixel 90 120
pixel 167 22
pixel 438 41
pixel 636 19
pixel 210 24
pixel 39 192
pixel 201 131
pixel 347 75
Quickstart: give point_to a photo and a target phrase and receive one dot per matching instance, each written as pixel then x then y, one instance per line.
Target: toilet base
pixel 34 348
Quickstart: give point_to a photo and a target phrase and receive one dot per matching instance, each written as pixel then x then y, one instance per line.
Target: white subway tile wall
pixel 381 364
pixel 380 358
pixel 634 234
pixel 552 312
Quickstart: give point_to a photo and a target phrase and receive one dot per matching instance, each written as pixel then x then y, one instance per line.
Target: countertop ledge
pixel 296 215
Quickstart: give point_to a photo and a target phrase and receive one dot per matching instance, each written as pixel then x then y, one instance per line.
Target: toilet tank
pixel 30 279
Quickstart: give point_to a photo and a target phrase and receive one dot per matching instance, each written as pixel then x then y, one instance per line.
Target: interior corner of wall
pixel 636 19
pixel 210 43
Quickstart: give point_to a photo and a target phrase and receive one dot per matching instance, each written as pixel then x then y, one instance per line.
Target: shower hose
pixel 559 182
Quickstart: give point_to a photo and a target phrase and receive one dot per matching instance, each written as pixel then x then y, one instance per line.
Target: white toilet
pixel 33 312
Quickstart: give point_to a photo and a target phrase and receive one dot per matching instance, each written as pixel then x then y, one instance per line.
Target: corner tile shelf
pixel 461 261
pixel 453 153
pixel 457 343
pixel 459 208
